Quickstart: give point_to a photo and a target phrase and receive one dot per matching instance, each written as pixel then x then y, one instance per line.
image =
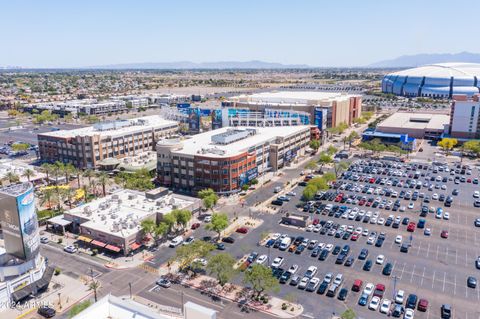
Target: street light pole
pixel 394 286
pixel 130 289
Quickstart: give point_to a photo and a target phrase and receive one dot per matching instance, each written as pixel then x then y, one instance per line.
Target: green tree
pixel 46 197
pixel 47 169
pixel 312 165
pixel 324 159
pixel 309 192
pixel 186 254
pixel 18 147
pixel 331 150
pixel 221 267
pixel 209 198
pixel 472 146
pixel 169 220
pixel 182 216
pixel 319 182
pixel 148 227
pixel 89 174
pixel 329 176
pixel 28 173
pixel 218 224
pixel 69 194
pixel 352 137
pixel 314 145
pixel 348 314
pixel 261 279
pixel 447 144
pixel 367 115
pixel 339 167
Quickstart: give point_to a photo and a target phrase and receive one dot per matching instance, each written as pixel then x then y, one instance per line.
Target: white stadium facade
pixel 441 80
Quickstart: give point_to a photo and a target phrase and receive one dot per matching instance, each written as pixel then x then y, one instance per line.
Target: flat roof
pixel 201 144
pixel 135 125
pixel 121 213
pixel 293 97
pixel 414 120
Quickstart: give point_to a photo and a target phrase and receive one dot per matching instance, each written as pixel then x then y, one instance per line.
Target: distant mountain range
pixel 422 59
pixel 203 65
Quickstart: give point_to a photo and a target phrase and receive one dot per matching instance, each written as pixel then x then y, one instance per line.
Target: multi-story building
pixel 227 158
pixel 87 147
pixel 134 101
pixel 86 106
pixel 339 107
pixel 465 117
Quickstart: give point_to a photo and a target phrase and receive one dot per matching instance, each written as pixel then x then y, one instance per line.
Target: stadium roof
pixel 442 70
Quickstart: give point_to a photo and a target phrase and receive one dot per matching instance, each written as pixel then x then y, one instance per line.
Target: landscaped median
pixel 272 305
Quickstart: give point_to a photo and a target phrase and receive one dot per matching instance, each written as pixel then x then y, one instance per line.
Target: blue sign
pixel 318 116
pixel 216 119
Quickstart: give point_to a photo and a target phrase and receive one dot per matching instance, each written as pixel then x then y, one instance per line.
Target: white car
pixel 275 236
pixel 476 194
pixel 309 228
pixel 371 240
pixel 409 314
pixel 44 240
pixel 70 249
pixel 411 205
pixel 385 306
pixel 374 303
pixel 311 271
pixel 381 221
pixel 261 259
pixel 303 283
pixel 291 194
pixel 317 228
pixel 399 297
pixel 398 239
pixel 444 187
pixel 380 259
pixel 435 196
pixel 277 262
pixel 329 247
pixel 328 277
pixel 201 261
pixel 293 269
pixel 446 215
pixel 365 232
pixel 368 288
pixel 207 219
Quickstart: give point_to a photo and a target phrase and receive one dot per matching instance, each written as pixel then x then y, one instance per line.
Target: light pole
pixel 130 289
pixel 394 278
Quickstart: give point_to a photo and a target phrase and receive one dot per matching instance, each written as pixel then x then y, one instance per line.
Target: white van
pixel 285 243
pixel 176 241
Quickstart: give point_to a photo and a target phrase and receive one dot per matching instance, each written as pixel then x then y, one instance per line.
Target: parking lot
pixel 435 268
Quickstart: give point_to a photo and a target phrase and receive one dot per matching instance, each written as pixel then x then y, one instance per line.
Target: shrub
pixel 94 252
pixel 60 240
pixel 57 271
pixel 284 306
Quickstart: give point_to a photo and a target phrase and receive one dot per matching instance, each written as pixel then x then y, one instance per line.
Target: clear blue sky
pixel 68 33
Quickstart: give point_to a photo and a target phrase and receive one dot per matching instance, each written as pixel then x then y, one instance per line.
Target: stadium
pixel 441 80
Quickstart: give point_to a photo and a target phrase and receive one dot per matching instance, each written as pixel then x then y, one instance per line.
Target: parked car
pixel 46 311
pixel 70 249
pixel 165 283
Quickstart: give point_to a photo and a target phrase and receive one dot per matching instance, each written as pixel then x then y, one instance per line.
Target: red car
pixel 422 305
pixel 354 237
pixel 469 180
pixel 242 230
pixel 411 227
pixel 379 290
pixel 444 234
pixel 195 225
pixel 361 202
pixel 315 221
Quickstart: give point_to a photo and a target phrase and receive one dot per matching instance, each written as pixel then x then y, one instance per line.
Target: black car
pixel 285 277
pixel 220 246
pixel 228 240
pixel 341 259
pixel 277 202
pixel 349 261
pixel 405 221
pixel 404 248
pixel 323 254
pixel 398 311
pixel 411 301
pixel 322 288
pixel 251 258
pixel 471 282
pixel 387 270
pixel 368 265
pixel 379 242
pixel 363 254
pixel 46 311
pixel 342 295
pixel 315 252
pixel 389 221
pixel 336 250
pixel 270 243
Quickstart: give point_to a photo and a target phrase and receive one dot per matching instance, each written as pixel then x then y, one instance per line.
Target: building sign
pixel 216 119
pixel 319 118
pixel 28 223
pixel 252 174
pixel 290 155
pixel 183 106
pixel 193 120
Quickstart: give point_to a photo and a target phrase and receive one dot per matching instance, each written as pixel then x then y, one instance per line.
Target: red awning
pixel 135 246
pixel 98 243
pixel 113 248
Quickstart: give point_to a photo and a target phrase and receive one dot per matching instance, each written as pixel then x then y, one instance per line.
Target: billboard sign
pixel 19 224
pixel 216 119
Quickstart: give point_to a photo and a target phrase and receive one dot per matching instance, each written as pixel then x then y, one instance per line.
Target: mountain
pixel 203 65
pixel 422 59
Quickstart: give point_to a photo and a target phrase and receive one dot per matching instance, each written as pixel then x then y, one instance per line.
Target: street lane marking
pixel 411 276
pixel 423 276
pixel 444 277
pixel 428 249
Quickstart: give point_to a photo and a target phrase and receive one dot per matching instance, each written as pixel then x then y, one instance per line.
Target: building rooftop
pixel 410 120
pixel 16 189
pixel 18 168
pixel 122 212
pixel 292 97
pixel 116 128
pixel 203 144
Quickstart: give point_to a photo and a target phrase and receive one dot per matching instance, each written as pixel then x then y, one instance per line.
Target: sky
pixel 323 33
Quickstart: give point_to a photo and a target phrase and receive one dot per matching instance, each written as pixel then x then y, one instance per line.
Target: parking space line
pixel 455 285
pixel 419 248
pixel 423 276
pixel 466 258
pixel 466 291
pixel 403 269
pixel 438 248
pixel 433 280
pixel 444 277
pixel 456 257
pixel 413 271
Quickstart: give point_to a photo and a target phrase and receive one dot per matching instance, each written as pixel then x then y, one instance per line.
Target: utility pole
pixel 130 288
pixel 394 278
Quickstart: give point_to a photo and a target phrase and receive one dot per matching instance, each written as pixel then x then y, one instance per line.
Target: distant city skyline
pixel 59 34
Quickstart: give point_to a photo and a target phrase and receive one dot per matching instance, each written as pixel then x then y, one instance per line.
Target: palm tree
pixel 69 193
pixel 47 169
pixel 89 174
pixel 47 197
pixel 28 173
pixel 94 285
pixel 68 170
pixel 11 177
pixel 104 180
pixel 78 172
pixel 56 171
